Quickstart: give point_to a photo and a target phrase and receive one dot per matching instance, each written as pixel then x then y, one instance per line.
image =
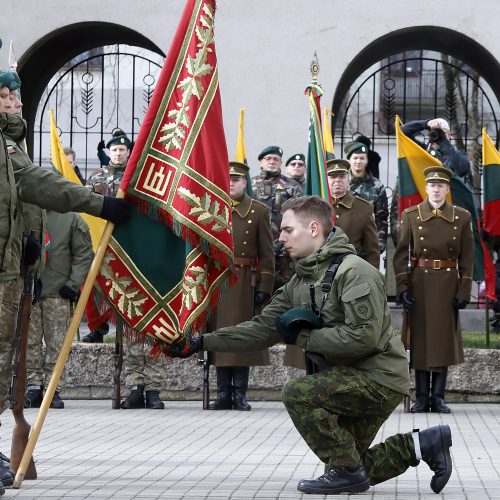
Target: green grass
pixel 477 340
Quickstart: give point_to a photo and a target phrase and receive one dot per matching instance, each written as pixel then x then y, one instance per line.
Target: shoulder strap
pixel 326 284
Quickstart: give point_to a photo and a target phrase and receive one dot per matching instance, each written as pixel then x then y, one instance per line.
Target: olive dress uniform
pixel 441 243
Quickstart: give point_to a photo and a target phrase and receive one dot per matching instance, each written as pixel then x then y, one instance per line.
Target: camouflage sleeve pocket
pixel 357 304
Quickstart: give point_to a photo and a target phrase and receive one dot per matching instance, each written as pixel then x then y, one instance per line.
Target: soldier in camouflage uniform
pixel 338 411
pixel 68 258
pixel 273 189
pixel 368 187
pixel 296 168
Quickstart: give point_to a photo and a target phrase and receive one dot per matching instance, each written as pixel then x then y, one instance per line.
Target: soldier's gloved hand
pixel 261 297
pixel 290 334
pixel 195 345
pixel 67 293
pixel 485 236
pixel 382 247
pixel 37 290
pixel 101 145
pixel 459 303
pixel 116 210
pixel 407 300
pixel 32 250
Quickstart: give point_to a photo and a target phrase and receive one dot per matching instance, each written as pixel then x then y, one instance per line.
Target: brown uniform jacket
pixel 252 240
pixel 355 217
pixel 443 235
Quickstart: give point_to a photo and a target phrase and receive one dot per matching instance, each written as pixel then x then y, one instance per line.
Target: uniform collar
pixel 244 206
pixel 427 211
pixel 346 200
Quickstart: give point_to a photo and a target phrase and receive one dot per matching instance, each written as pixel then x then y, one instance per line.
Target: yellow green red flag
pixel 491 186
pixel 241 154
pixel 327 135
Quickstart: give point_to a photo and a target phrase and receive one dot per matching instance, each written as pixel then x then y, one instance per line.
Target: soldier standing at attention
pixel 68 258
pixel 273 189
pixel 254 261
pixel 338 411
pixel 368 187
pixel 354 215
pixel 296 169
pixel 439 237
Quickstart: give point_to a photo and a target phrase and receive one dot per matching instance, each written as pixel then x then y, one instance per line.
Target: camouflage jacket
pixel 107 181
pixel 372 190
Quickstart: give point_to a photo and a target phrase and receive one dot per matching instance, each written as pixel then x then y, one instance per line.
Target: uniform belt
pixel 245 261
pixel 436 263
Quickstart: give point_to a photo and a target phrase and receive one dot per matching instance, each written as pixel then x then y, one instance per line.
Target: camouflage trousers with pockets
pixel 339 411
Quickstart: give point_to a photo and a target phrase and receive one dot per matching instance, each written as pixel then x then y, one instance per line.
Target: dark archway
pixel 433 38
pixel 43 59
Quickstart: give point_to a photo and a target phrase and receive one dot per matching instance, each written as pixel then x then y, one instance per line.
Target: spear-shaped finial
pixel 315 68
pixel 12 58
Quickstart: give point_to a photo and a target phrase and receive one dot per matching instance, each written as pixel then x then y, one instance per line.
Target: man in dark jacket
pixel 338 411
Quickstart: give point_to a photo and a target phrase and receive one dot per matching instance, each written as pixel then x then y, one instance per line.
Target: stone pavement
pixel 89 450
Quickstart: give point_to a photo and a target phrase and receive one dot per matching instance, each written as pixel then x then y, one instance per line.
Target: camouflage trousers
pixel 140 368
pixel 339 411
pixel 50 319
pixel 10 295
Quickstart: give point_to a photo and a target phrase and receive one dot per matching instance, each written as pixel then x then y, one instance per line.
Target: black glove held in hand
pixel 67 293
pixel 289 335
pixel 261 297
pixel 407 300
pixel 116 210
pixel 101 145
pixel 459 303
pixel 32 250
pixel 195 345
pixel 37 290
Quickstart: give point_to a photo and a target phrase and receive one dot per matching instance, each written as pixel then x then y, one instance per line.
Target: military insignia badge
pixel 363 309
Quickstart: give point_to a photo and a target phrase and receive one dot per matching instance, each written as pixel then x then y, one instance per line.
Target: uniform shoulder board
pixel 259 204
pixel 356 195
pixel 460 209
pixel 410 209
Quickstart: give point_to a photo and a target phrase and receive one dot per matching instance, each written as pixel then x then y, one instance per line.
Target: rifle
pixel 118 358
pixel 206 381
pixel 21 431
pixel 406 322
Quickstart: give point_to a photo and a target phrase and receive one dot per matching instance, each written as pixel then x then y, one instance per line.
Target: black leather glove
pixel 67 293
pixel 407 300
pixel 261 297
pixel 101 145
pixel 459 303
pixel 485 236
pixel 116 210
pixel 290 334
pixel 37 290
pixel 32 250
pixel 195 345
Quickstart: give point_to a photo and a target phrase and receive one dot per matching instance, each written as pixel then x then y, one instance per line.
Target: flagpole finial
pixel 314 68
pixel 12 58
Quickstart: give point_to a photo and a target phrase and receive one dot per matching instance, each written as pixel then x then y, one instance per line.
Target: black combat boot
pixel 434 444
pixel 135 399
pixel 240 386
pixel 153 400
pixel 57 402
pixel 34 396
pixel 96 336
pixel 336 481
pixel 422 383
pixel 6 473
pixel 223 401
pixel 438 387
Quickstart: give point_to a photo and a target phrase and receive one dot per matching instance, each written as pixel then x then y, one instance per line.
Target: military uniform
pixel 441 243
pixel 300 180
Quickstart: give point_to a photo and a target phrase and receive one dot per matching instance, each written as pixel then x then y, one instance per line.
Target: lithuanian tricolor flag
pixel 241 154
pixel 327 135
pixel 491 186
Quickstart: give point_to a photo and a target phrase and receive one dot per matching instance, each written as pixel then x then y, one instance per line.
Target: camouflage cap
pixel 355 147
pixel 298 156
pixel 337 166
pixel 270 150
pixel 10 79
pixel 238 169
pixel 119 139
pixel 438 174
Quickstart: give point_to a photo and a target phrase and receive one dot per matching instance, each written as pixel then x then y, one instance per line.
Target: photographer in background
pixel 439 138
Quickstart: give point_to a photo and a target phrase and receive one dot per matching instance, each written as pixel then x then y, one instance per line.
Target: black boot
pixel 335 481
pixel 135 399
pixel 153 400
pixel 6 473
pixel 96 336
pixel 435 445
pixel 57 402
pixel 422 383
pixel 34 396
pixel 438 387
pixel 240 386
pixel 223 401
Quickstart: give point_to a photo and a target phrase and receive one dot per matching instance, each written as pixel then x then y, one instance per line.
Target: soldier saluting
pixel 439 237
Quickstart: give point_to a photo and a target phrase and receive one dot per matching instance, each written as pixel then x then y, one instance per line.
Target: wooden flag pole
pixel 64 353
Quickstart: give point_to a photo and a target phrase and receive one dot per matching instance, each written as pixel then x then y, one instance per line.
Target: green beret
pixel 301 317
pixel 120 140
pixel 238 168
pixel 10 79
pixel 355 147
pixel 438 174
pixel 298 156
pixel 270 150
pixel 337 166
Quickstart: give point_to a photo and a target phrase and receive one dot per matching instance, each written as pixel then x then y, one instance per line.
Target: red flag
pixel 164 269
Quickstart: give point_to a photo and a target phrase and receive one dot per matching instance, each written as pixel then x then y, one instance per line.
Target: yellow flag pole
pixel 66 347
